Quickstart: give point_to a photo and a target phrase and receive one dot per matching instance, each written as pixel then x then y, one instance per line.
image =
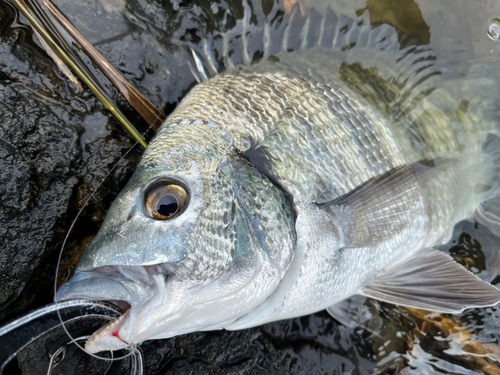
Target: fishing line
pixel 131 348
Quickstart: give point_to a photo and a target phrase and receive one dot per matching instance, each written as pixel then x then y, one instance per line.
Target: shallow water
pixel 147 41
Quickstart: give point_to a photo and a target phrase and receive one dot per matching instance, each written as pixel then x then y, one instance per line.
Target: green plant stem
pixel 103 98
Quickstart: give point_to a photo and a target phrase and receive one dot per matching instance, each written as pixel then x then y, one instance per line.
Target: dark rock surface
pixel 56 146
pixel 314 344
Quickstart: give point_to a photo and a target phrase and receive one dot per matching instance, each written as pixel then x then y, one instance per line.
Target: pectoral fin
pixel 432 280
pixel 387 204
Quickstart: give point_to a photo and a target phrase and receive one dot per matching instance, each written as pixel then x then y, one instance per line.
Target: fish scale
pixel 244 124
pixel 215 255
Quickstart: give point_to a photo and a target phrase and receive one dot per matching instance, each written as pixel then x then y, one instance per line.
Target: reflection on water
pixel 494 29
pixel 164 48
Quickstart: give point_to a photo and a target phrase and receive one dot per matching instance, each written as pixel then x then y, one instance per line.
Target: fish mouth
pixel 130 287
pixel 108 337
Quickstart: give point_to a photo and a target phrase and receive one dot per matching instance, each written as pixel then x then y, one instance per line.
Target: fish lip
pixel 83 287
pixel 110 288
pixel 119 283
pixel 109 331
pixel 134 286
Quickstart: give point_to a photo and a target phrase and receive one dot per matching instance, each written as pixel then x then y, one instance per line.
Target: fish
pixel 328 165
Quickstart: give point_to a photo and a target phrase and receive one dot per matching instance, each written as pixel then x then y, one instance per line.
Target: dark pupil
pixel 167 206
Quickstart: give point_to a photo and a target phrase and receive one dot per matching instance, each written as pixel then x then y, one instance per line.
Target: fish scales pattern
pixel 187 145
pixel 213 241
pixel 291 115
pixel 219 101
pixel 323 139
pixel 334 132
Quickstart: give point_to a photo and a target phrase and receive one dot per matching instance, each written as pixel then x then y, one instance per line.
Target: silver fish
pixel 282 188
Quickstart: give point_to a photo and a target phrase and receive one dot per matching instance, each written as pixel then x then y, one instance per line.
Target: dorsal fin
pixel 259 34
pixel 393 72
pixel 375 58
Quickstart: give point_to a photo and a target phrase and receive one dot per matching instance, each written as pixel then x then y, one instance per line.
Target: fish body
pixel 306 178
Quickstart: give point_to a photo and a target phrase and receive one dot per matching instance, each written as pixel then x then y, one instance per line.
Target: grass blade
pixel 64 68
pixel 40 20
pixel 146 109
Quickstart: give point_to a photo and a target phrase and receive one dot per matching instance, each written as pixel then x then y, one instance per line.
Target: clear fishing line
pixel 131 348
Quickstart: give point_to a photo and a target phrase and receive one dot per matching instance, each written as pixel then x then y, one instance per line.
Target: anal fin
pixel 351 312
pixel 432 280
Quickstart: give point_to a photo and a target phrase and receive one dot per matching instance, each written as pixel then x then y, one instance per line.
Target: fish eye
pixel 165 201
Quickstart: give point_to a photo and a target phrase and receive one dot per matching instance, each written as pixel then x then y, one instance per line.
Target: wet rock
pixel 56 146
pixel 314 344
pixel 141 41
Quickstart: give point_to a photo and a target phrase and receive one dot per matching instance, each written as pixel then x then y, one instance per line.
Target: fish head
pixel 188 250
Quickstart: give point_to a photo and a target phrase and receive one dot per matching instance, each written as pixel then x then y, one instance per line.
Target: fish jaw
pixel 122 332
pixel 137 286
pixel 108 337
pixel 223 256
pixel 164 306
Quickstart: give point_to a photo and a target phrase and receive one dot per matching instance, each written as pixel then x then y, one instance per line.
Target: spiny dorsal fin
pixel 257 35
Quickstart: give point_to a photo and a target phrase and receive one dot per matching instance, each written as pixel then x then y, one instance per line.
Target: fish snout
pixel 130 287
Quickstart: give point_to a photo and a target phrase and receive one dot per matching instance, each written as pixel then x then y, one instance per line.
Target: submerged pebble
pixel 494 30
